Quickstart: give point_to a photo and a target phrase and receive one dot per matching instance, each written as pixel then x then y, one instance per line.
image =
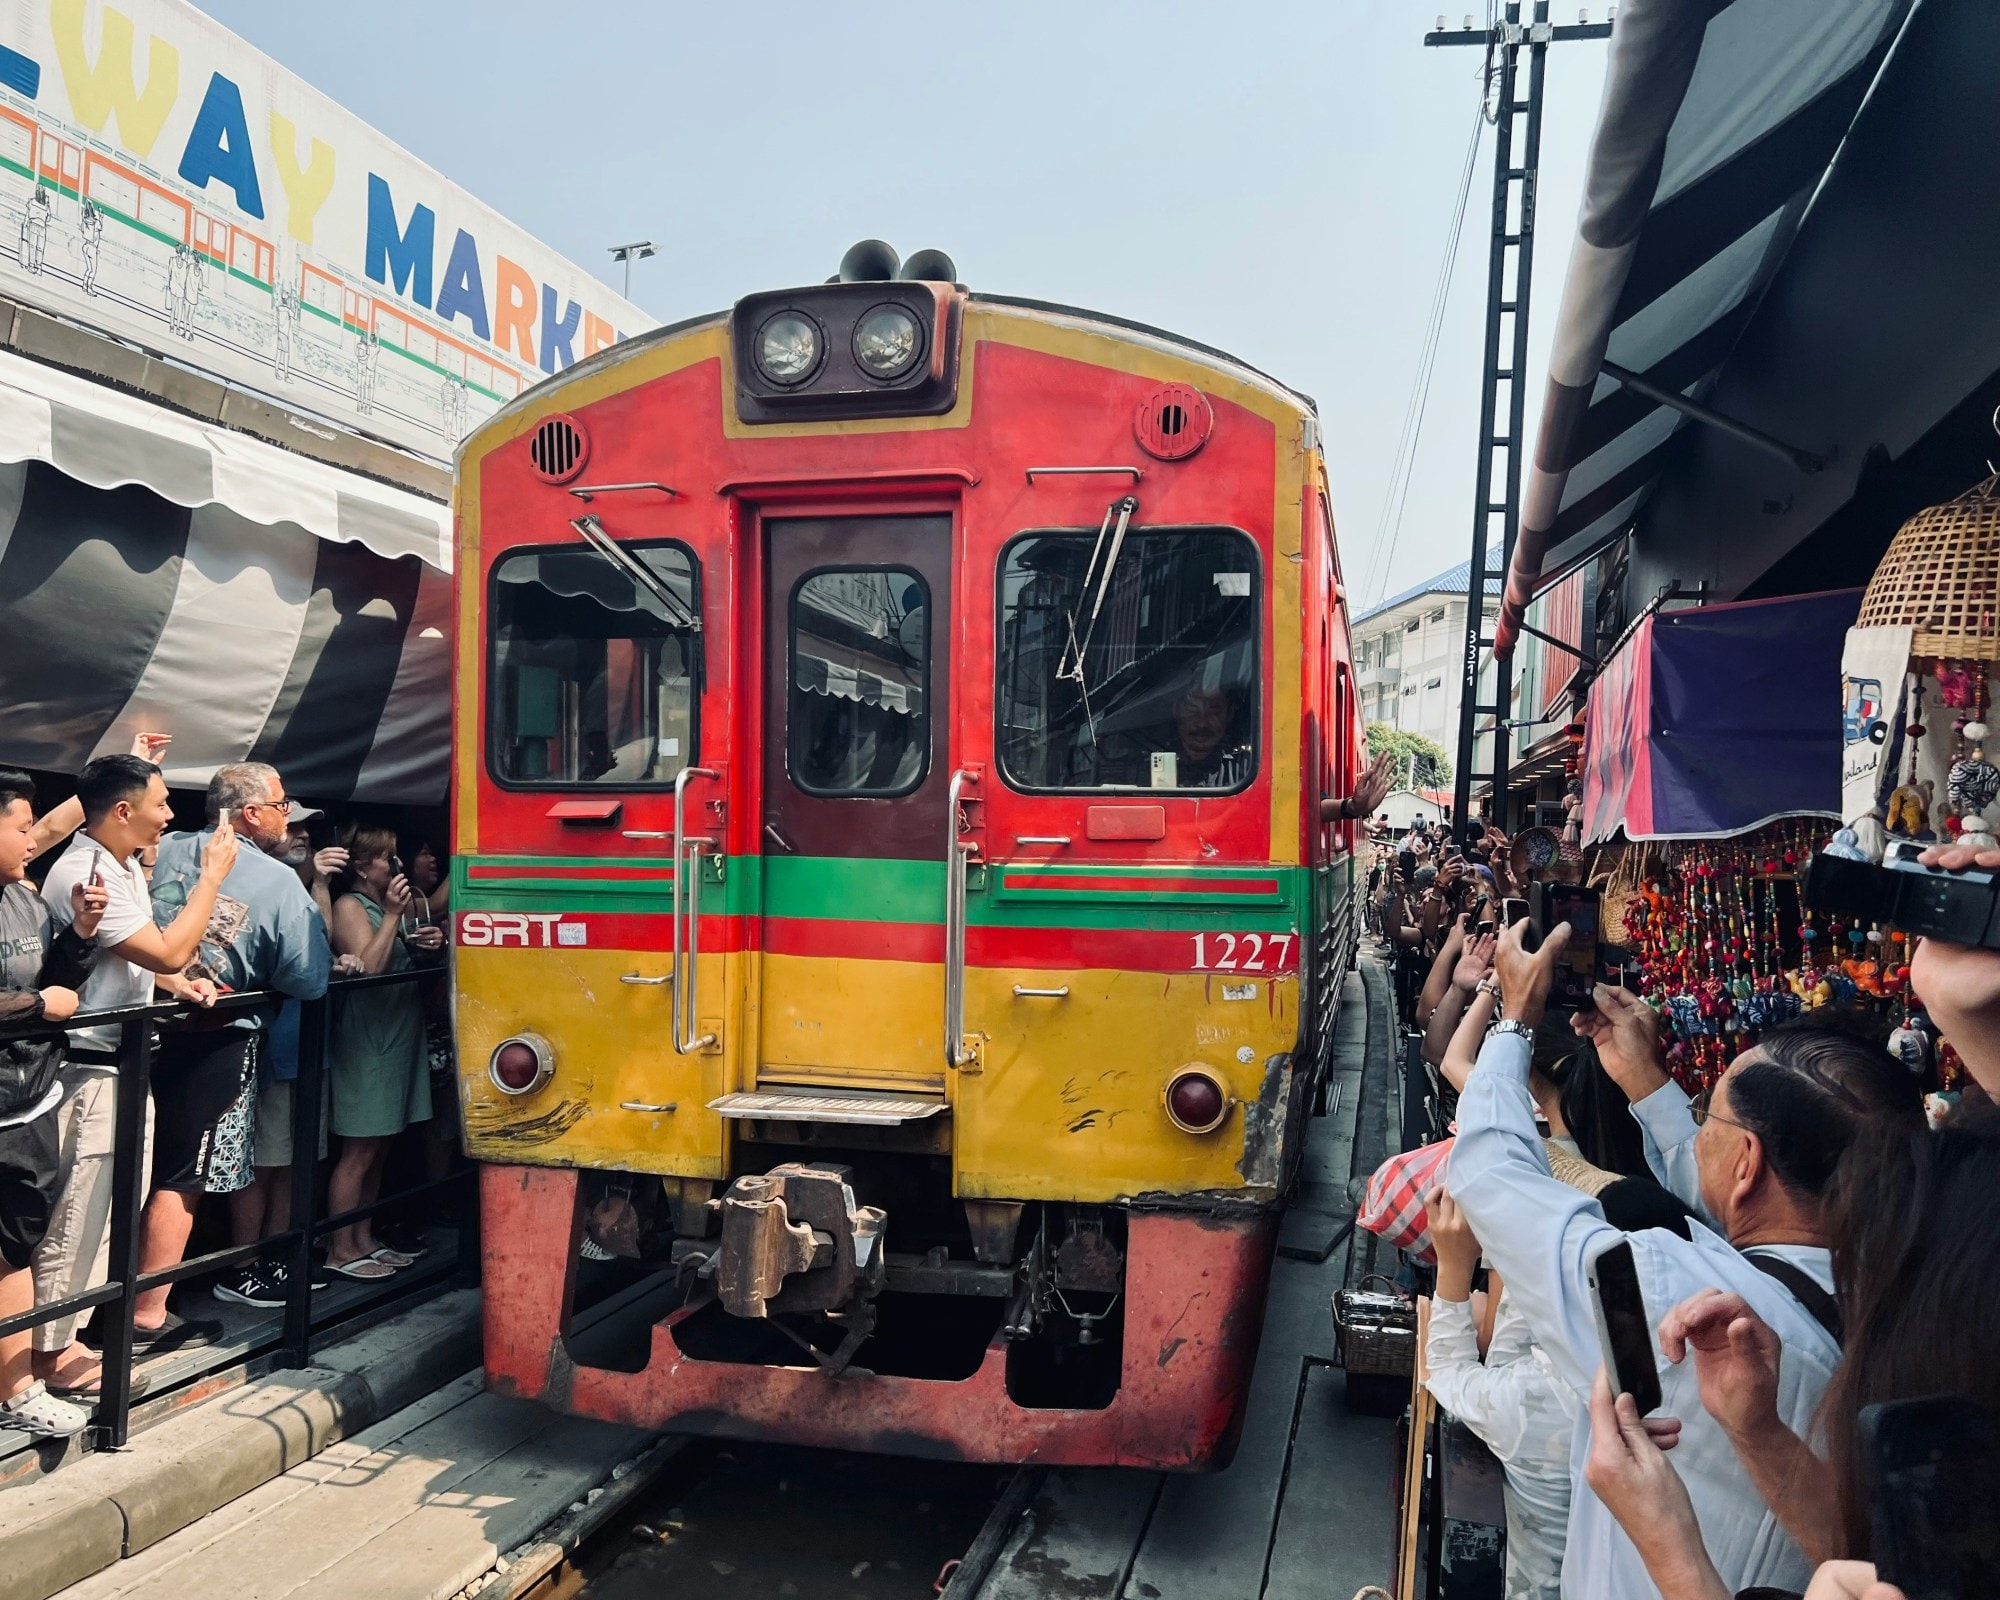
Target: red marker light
pixel 521 1064
pixel 1196 1101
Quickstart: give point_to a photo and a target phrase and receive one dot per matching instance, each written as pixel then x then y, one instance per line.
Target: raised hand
pixel 1526 977
pixel 1735 1360
pixel 219 855
pixel 87 903
pixel 1960 986
pixel 1627 1470
pixel 399 896
pixel 151 746
pixel 1373 786
pixel 1474 962
pixel 1453 1240
pixel 1626 1032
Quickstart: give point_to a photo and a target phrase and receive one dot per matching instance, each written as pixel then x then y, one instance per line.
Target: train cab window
pixel 857 709
pixel 593 670
pixel 1143 679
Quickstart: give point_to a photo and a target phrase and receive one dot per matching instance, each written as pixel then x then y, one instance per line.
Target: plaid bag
pixel 1393 1208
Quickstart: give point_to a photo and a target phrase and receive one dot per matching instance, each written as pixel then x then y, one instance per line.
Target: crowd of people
pixel 130 913
pixel 1806 1245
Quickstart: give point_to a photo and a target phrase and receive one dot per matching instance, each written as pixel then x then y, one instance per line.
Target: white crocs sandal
pixel 35 1410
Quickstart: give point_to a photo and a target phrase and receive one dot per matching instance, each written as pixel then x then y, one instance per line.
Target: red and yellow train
pixel 895 915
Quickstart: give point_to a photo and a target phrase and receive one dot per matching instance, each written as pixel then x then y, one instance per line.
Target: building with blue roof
pixel 1406 653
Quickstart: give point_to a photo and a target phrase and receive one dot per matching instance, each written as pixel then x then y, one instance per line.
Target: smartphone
pixel 1482 928
pixel 1576 974
pixel 1513 911
pixel 1623 1328
pixel 1930 1466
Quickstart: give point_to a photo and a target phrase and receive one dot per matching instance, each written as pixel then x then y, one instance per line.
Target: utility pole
pixel 1517 153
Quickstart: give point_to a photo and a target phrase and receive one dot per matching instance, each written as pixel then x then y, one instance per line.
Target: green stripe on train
pixel 864 890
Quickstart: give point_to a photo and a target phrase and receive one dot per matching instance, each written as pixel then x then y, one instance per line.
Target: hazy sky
pixel 1273 177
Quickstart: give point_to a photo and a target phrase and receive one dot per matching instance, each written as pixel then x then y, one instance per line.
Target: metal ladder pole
pixel 1513 245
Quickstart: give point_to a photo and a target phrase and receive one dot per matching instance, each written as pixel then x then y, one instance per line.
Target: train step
pixel 859 1106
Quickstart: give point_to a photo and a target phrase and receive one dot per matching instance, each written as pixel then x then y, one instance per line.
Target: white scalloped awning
pixel 107 438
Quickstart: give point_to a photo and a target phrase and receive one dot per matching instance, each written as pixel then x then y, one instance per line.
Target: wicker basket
pixel 1941 577
pixel 1375 1331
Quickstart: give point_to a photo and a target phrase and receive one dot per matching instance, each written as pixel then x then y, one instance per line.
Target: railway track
pixel 707 1520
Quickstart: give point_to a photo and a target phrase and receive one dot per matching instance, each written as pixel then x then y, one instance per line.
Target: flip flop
pixel 94 1390
pixel 395 1260
pixel 366 1268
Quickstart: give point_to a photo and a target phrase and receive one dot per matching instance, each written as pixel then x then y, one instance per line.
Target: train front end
pixel 895 939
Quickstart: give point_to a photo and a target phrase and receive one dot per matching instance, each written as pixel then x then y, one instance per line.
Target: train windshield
pixel 1144 680
pixel 593 671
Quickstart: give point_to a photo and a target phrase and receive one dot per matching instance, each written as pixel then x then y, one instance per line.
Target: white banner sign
pixel 163 181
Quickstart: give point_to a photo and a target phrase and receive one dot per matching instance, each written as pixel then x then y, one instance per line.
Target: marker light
pixel 887 342
pixel 1196 1101
pixel 522 1064
pixel 789 348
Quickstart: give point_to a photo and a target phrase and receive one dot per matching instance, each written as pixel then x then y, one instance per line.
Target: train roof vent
pixel 1173 421
pixel 558 448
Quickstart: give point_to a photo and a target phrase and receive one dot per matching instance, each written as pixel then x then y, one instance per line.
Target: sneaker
pixel 250 1285
pixel 278 1278
pixel 36 1411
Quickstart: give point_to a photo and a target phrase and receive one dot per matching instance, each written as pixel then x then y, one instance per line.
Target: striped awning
pixel 124 609
pixel 1719 121
pixel 107 438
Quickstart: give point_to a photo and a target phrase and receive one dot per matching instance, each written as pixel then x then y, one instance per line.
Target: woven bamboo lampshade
pixel 1941 577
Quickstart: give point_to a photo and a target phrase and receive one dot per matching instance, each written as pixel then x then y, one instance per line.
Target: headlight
pixel 789 348
pixel 887 342
pixel 521 1064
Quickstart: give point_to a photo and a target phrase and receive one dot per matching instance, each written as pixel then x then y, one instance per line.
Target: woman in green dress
pixel 376 1057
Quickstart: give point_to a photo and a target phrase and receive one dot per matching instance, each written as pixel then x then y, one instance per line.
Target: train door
pixel 856 738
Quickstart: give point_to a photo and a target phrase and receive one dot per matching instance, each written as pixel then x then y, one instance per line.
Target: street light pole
pixel 638 250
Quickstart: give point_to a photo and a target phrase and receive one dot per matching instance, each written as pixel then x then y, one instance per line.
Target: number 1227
pixel 1243 952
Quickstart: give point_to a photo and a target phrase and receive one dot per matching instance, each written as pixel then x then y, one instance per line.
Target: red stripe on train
pixel 1088 885
pixel 1052 949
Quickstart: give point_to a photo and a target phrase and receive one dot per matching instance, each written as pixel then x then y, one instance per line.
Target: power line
pixel 1389 527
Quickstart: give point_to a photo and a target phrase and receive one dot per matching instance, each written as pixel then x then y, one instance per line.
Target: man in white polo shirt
pixel 125 812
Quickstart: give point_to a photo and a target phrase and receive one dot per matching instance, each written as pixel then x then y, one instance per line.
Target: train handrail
pixel 957 853
pixel 687 954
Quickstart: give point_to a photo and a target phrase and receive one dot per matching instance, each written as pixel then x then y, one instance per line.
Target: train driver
pixel 1204 754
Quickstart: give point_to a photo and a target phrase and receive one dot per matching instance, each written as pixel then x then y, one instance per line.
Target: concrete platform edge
pixel 61 1529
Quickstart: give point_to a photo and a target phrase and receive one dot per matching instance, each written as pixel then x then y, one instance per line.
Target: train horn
pixel 870 261
pixel 929 266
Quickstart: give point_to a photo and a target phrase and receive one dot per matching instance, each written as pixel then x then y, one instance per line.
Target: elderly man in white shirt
pixel 1776 1125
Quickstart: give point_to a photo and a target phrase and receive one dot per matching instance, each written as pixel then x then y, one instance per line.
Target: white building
pixel 1407 652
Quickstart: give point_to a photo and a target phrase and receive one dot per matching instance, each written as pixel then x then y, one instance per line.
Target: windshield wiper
pixel 644 576
pixel 1071 667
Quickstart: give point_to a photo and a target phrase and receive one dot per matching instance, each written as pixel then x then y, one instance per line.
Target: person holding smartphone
pixel 1776 1125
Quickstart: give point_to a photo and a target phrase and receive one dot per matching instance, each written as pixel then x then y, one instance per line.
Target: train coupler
pixel 794 1241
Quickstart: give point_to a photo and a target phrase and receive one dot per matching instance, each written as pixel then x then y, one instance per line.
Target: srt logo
pixel 520 927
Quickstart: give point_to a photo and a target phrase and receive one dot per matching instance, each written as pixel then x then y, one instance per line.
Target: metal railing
pixel 293 1246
